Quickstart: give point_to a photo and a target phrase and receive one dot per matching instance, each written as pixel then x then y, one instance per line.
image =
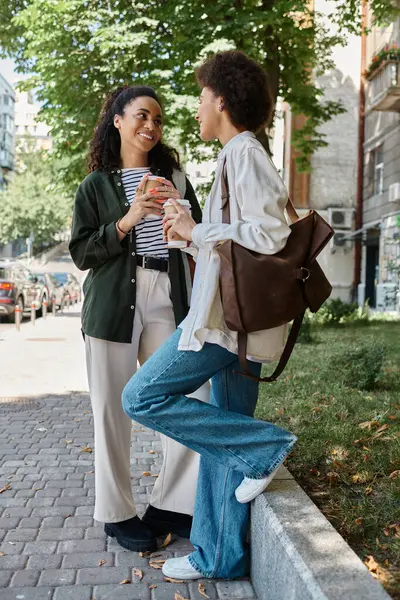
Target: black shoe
pixel 132 535
pixel 163 522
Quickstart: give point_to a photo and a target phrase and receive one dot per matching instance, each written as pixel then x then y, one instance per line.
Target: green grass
pixel 349 439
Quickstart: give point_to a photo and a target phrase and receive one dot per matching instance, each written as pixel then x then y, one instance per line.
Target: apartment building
pixel 31 134
pixel 7 130
pixel 380 232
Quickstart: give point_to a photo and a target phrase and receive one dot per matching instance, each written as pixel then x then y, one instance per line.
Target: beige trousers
pixel 110 365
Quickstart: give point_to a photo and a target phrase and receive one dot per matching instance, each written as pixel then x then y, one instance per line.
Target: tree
pixel 34 202
pixel 76 51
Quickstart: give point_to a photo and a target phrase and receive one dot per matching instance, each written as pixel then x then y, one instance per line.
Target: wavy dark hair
pixel 242 83
pixel 105 146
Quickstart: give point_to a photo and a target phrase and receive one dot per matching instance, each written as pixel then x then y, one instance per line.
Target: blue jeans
pixel 232 443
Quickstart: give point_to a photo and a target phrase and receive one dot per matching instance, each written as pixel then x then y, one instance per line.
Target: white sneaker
pixel 180 568
pixel 251 488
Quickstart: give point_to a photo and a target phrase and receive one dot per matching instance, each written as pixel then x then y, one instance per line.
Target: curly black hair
pixel 105 146
pixel 243 85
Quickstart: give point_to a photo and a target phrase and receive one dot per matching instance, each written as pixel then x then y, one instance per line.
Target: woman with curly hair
pixel 239 454
pixel 136 293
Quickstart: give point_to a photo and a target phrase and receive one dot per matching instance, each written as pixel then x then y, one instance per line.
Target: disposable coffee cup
pixel 175 240
pixel 151 182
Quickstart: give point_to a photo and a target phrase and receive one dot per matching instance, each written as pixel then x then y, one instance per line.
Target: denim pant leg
pixel 220 522
pixel 156 397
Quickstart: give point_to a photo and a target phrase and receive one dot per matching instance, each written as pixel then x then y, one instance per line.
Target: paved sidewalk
pixel 50 546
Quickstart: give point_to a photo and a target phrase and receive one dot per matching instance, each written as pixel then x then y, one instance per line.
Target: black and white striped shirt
pixel 149 233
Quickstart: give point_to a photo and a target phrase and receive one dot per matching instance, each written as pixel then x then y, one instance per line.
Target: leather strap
pixel 287 351
pixel 152 262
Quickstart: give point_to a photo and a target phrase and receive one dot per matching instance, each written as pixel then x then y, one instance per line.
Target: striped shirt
pixel 149 232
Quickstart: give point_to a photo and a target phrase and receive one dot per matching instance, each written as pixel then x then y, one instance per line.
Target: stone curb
pixel 296 553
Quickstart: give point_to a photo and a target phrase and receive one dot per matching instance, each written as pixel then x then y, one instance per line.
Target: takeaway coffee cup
pixel 151 182
pixel 175 240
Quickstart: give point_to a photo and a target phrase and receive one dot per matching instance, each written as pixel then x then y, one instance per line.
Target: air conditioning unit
pixel 341 218
pixel 340 241
pixel 394 192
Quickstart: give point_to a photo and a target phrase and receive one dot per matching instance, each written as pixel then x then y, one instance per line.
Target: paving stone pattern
pixel 50 546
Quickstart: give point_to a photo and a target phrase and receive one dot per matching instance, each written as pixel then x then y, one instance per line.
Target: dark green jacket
pixel 110 287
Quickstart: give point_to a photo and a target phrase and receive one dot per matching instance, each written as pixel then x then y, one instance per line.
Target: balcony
pixel 383 91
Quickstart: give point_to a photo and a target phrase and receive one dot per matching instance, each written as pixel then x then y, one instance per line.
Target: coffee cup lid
pixel 182 202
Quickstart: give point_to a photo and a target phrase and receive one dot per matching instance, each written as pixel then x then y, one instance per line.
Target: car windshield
pixel 61 277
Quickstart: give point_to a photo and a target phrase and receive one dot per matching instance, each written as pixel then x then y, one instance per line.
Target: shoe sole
pixel 132 545
pixel 259 490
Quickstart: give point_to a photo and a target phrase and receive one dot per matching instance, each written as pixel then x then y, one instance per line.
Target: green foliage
pixel 35 201
pixel 348 453
pixel 76 51
pixel 335 312
pixel 359 367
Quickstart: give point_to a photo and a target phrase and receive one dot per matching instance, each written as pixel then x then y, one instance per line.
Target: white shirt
pixel 257 201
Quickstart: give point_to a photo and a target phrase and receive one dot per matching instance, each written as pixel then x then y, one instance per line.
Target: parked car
pixel 56 290
pixel 71 285
pixel 19 287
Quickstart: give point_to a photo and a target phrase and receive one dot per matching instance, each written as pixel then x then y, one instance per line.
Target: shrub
pixel 335 312
pixel 359 366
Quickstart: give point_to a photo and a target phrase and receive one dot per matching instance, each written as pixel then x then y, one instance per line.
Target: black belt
pixel 152 262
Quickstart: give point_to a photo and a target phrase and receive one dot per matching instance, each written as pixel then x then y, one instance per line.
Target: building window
pixel 378 170
pixel 375 172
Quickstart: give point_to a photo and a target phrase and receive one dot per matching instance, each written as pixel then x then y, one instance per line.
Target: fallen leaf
pixel 88 472
pixel 77 420
pixel 69 441
pixel 357 478
pixel 67 516
pixel 125 581
pixel 368 491
pixel 358 521
pixel 2 553
pixel 392 417
pixel 102 562
pixel 167 541
pixel 371 564
pixel 394 474
pixel 5 488
pixel 152 452
pixel 368 424
pixel 202 590
pixel 172 580
pixel 156 564
pixel 396 527
pixel 138 573
pixel 145 554
pixel 146 474
pixel 315 472
pixel 154 555
pixel 178 596
pixel 152 587
pixel 87 449
pixel 383 428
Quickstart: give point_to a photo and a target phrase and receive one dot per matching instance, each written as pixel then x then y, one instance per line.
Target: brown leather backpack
pixel 260 291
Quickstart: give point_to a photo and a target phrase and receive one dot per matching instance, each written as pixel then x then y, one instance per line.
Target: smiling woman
pixel 136 292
